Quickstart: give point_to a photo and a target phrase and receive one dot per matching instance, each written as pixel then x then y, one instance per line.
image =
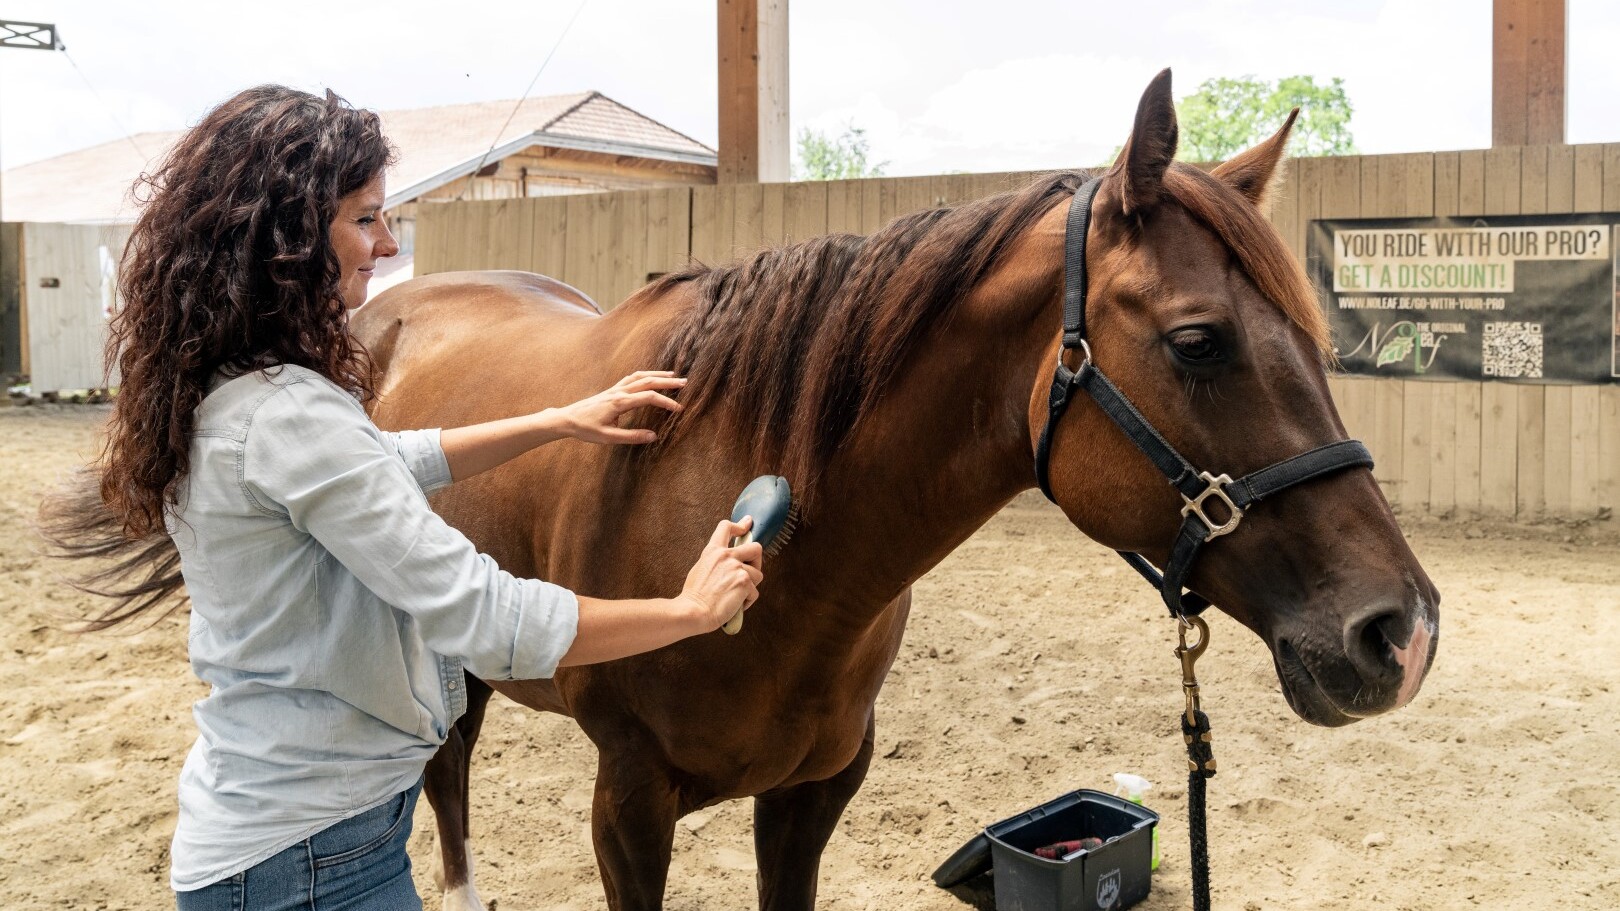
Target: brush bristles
pixel 789 523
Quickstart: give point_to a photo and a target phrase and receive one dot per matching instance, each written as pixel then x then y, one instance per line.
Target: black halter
pixel 1195 486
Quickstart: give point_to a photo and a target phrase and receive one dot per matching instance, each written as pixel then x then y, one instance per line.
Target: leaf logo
pixel 1397 350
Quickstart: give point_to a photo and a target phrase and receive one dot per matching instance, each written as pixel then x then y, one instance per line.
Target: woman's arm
pixel 480 447
pixel 311 456
pixel 723 581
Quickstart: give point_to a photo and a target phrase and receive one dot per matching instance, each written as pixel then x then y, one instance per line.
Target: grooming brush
pixel 770 501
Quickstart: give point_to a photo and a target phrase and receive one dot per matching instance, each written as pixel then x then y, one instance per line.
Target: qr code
pixel 1512 350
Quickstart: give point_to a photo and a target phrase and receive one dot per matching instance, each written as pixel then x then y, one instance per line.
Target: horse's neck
pixel 948 446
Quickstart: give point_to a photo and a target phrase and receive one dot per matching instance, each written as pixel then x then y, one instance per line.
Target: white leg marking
pixel 465 896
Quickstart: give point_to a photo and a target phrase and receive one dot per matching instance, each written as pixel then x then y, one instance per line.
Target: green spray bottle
pixel 1132 787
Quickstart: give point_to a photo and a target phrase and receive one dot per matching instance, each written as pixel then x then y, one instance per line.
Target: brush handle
pixel 734 626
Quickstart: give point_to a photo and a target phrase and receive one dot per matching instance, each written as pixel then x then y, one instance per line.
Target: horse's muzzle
pixel 1386 651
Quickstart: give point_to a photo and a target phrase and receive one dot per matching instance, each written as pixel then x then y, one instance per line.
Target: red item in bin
pixel 1063 848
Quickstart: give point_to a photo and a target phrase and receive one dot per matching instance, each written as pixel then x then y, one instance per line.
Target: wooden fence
pixel 1443 447
pixel 608 244
pixel 66 290
pixel 1526 451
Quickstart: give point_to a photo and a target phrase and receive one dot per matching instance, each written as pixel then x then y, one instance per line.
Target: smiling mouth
pixel 1305 696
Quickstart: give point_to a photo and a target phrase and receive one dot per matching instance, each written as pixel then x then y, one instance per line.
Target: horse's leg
pixel 633 828
pixel 446 784
pixel 791 829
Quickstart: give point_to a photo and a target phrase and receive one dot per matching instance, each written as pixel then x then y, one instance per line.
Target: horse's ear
pixel 1251 172
pixel 1152 145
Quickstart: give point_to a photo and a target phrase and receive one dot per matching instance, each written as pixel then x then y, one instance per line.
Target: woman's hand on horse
pixel 479 447
pixel 596 419
pixel 725 579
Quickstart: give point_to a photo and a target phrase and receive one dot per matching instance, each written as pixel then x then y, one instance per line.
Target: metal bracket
pixel 1215 486
pixel 34 36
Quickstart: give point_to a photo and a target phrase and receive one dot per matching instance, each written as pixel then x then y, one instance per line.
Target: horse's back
pixel 444 314
pixel 472 331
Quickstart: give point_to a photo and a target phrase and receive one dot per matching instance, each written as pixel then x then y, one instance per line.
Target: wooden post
pixel 1529 68
pixel 35 36
pixel 753 50
pixel 13 319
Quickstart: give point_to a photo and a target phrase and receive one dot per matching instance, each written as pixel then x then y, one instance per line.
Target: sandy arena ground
pixel 1036 663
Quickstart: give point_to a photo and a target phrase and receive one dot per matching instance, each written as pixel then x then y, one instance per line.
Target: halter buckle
pixel 1215 487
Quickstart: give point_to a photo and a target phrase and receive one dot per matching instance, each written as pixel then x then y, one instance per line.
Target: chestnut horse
pixel 899 382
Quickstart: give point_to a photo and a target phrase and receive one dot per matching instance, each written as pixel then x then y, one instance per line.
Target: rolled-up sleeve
pixel 423 454
pixel 312 455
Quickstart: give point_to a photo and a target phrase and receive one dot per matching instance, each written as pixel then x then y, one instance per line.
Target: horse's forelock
pixel 1258 247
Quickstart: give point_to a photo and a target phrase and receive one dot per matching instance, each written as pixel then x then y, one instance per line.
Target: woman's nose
pixel 388 246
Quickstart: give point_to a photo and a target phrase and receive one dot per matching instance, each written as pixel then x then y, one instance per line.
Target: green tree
pixel 821 158
pixel 1226 116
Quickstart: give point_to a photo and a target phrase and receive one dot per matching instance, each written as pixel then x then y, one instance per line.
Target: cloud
pixel 1043 112
pixel 939 84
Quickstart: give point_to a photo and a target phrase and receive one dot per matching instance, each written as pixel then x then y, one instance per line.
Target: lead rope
pixel 1200 756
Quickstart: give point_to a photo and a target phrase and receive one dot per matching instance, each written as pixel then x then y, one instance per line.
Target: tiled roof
pixel 435 145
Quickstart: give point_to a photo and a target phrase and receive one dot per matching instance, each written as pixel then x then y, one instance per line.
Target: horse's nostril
pixel 1389 631
pixel 1371 640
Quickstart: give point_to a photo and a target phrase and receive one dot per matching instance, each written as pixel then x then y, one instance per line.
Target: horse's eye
pixel 1198 347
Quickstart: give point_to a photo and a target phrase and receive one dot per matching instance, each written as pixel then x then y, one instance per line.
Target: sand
pixel 1035 663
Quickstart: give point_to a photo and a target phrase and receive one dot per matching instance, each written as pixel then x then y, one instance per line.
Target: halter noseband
pixel 1196 487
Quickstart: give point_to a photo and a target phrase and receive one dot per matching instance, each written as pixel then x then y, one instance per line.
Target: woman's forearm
pixel 480 447
pixel 616 629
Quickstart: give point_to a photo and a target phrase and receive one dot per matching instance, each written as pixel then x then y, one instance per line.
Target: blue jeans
pixel 358 864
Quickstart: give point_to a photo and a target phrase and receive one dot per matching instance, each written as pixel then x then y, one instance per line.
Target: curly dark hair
pixel 230 266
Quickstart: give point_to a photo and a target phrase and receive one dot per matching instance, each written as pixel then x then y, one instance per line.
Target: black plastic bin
pixel 1114 876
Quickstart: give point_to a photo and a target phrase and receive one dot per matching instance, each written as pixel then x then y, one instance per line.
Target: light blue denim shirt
pixel 331 612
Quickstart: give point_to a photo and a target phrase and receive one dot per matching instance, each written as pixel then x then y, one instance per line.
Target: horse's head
pixel 1201 317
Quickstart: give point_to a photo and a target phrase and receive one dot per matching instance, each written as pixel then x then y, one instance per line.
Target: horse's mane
pixel 792 346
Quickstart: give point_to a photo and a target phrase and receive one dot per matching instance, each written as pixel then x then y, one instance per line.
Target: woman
pixel 332 610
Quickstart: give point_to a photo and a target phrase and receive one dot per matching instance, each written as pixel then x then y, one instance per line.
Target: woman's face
pixel 360 237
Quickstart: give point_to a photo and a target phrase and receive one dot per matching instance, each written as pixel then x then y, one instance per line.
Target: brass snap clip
pixel 1195 727
pixel 1189 655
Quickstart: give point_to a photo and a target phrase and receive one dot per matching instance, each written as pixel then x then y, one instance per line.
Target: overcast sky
pixel 940 85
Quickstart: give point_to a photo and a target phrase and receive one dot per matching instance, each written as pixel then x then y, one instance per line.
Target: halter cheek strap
pixel 1197 488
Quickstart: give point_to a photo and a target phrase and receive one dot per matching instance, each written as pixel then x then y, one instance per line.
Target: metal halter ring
pixel 1216 488
pixel 1085 349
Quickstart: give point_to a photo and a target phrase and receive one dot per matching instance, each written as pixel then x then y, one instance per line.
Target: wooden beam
pixel 753 50
pixel 1529 69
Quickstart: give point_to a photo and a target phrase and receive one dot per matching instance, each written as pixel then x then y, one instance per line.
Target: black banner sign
pixel 1527 298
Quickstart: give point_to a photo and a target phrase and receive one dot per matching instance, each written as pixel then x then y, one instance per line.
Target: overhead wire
pixel 106 108
pixel 524 97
